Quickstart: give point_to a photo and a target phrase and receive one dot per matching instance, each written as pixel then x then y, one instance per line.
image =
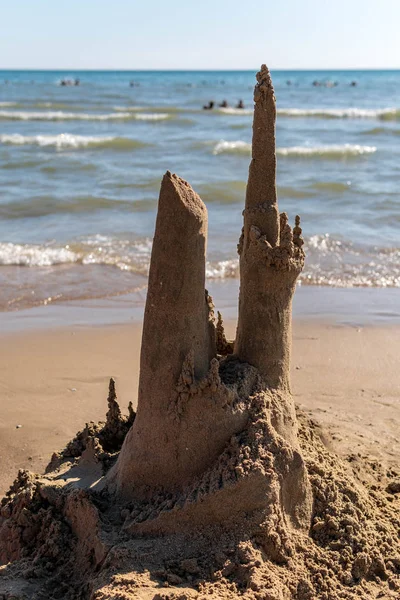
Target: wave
pixel 34 255
pixel 49 205
pixel 386 114
pixel 24 164
pixel 330 151
pixel 381 131
pixel 8 115
pixel 331 186
pixel 151 116
pixel 235 111
pixel 126 255
pixel 223 192
pixel 68 168
pixel 70 141
pixel 59 115
pixel 233 191
pixel 238 147
pixel 340 263
pixel 330 261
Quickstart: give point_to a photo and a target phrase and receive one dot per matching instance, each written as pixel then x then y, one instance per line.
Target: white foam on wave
pixel 235 111
pixel 34 256
pixel 62 140
pixel 328 151
pixel 340 113
pixel 59 115
pixel 128 108
pixel 223 269
pixel 4 104
pixel 331 261
pixel 236 147
pixel 151 116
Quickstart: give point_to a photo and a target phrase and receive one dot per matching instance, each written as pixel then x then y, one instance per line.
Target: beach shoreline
pixel 351 306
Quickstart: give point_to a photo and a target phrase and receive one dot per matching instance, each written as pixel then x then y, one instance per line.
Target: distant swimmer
pixel 132 83
pixel 224 104
pixel 288 82
pixel 353 84
pixel 209 106
pixel 69 82
pixel 240 104
pixel 316 83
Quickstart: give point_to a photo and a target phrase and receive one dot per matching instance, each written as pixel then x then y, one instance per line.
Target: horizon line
pixel 183 70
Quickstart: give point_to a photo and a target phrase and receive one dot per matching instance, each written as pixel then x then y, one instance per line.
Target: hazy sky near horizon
pixel 183 34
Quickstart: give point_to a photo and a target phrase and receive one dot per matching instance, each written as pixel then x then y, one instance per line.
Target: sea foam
pixel 59 115
pixel 70 141
pixel 342 113
pixel 235 111
pixel 27 255
pixel 329 151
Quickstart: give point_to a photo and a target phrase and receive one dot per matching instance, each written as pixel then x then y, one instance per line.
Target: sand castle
pixel 191 405
pixel 209 487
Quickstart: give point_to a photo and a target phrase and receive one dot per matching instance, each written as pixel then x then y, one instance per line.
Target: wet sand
pixel 53 380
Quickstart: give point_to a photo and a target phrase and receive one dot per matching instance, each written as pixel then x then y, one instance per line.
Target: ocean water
pixel 80 169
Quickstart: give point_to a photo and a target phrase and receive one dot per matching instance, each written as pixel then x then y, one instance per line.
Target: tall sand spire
pixel 271 257
pixel 261 207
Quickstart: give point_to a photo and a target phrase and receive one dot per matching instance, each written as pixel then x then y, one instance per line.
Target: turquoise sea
pixel 80 169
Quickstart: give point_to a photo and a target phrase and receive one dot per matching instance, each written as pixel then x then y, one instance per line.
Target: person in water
pixel 240 104
pixel 209 106
pixel 224 104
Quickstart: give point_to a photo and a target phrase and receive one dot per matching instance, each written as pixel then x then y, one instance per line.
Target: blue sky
pixel 202 34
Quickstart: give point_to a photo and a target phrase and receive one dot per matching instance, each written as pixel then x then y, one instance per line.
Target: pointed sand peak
pixel 264 84
pixel 261 197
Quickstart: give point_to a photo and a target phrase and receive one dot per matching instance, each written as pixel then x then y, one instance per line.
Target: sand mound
pixel 73 543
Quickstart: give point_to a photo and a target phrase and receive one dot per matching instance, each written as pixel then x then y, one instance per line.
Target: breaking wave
pixel 59 115
pixel 238 147
pixel 235 111
pixel 386 114
pixel 330 261
pixel 330 151
pixel 34 255
pixel 70 141
pixel 151 116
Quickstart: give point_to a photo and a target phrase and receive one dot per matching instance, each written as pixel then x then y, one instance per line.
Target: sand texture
pixel 217 485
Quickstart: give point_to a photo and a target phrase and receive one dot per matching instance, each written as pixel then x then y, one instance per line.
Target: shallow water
pixel 80 169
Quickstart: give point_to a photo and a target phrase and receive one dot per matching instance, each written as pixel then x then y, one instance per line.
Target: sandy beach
pixel 53 381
